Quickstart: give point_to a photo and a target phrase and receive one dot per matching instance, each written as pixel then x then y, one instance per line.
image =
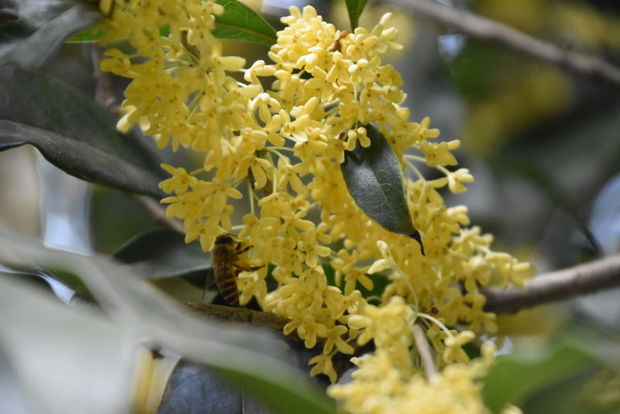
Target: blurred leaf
pixel 65 285
pixel 251 358
pixel 585 392
pixel 375 182
pixel 193 385
pixel 163 253
pixel 31 40
pixel 73 133
pixel 355 8
pixel 605 217
pixel 65 361
pixel 241 22
pixel 278 397
pixel 514 378
pixel 116 218
pixel 475 70
pixel 545 183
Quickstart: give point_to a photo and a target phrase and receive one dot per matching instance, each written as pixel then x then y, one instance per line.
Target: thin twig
pixel 157 212
pixel 424 350
pixel 553 286
pixel 486 29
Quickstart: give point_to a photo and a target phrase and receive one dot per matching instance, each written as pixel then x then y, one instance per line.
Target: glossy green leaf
pixel 73 133
pixel 251 358
pixel 29 48
pixel 355 9
pixel 162 254
pixel 515 377
pixel 375 182
pixel 241 22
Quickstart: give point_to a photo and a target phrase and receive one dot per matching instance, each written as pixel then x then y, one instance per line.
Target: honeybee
pixel 227 266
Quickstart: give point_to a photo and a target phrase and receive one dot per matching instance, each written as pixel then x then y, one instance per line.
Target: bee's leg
pixel 246 267
pixel 242 249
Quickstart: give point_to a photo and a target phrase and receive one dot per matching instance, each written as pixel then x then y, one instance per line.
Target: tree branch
pixel 240 315
pixel 553 286
pixel 486 29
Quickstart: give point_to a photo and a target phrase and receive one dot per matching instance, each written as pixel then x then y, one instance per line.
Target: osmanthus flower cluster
pixel 275 134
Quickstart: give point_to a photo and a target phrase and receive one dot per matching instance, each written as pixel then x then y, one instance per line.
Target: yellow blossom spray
pixel 281 131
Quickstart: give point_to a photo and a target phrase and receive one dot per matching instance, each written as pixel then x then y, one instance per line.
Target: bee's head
pixel 224 239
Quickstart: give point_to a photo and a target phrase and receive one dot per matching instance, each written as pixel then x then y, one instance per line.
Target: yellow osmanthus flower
pixel 285 144
pixel 378 386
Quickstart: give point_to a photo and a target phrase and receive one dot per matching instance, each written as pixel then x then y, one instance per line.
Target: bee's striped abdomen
pixel 226 281
pixel 224 257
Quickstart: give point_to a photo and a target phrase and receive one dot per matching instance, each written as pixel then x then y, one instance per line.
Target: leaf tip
pixel 417 237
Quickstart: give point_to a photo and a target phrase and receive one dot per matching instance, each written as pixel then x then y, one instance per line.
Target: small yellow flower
pixel 323 365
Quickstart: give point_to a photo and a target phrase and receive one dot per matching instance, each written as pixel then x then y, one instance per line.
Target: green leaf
pixel 162 254
pixel 241 22
pixel 73 133
pixel 515 377
pixel 86 37
pixel 251 358
pixel 355 8
pixel 29 48
pixel 375 182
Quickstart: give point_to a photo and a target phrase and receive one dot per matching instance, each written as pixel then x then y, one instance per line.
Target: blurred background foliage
pixel 542 143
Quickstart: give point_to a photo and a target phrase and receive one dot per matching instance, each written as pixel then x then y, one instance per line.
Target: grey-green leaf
pixel 375 182
pixel 73 133
pixel 73 361
pixel 241 22
pixel 52 24
pixel 355 9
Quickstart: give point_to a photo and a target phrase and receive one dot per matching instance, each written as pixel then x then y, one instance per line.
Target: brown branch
pixel 158 213
pixel 486 29
pixel 553 286
pixel 240 315
pixel 424 350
